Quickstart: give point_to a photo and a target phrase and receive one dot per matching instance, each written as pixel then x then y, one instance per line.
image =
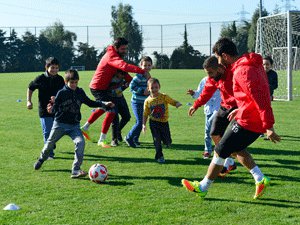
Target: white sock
pixel 228 162
pixel 257 174
pixel 102 137
pixel 205 183
pixel 86 126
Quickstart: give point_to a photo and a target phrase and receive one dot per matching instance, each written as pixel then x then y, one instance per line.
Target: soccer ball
pixel 98 173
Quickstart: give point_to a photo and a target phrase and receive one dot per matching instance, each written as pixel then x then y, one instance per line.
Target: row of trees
pixel 29 52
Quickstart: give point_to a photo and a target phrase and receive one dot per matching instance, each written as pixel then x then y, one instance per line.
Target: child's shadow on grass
pixel 280 203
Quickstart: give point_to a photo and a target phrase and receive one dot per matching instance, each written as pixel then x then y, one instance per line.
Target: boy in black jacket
pixel 67 116
pixel 48 84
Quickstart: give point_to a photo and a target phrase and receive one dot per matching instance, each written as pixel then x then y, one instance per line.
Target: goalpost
pixel 279 36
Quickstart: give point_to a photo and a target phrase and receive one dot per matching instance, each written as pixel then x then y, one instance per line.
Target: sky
pixel 97 12
pixel 41 13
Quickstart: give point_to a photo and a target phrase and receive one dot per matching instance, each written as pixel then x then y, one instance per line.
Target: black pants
pixel 161 133
pixel 121 108
pixel 235 139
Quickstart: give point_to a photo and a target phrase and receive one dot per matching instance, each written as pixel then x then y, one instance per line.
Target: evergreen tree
pixel 123 25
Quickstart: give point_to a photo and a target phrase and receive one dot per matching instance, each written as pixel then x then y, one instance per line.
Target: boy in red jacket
pixel 253 117
pixel 106 69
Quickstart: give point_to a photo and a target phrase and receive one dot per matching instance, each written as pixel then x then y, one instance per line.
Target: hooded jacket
pixel 107 68
pixel 251 91
pixel 225 87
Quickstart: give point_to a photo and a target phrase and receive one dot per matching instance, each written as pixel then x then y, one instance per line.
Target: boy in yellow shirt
pixel 156 107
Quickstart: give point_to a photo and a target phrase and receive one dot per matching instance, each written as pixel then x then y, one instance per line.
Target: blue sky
pixel 25 13
pixel 97 12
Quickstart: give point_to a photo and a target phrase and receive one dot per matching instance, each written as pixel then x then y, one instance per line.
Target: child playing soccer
pixel 48 84
pixel 210 109
pixel 138 87
pixel 156 106
pixel 117 86
pixel 67 116
pixel 271 74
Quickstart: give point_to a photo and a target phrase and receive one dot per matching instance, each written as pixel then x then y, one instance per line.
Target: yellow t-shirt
pixel 157 108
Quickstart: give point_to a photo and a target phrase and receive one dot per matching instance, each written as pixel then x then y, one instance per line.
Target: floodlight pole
pixel 210 39
pixel 260 30
pixel 289 59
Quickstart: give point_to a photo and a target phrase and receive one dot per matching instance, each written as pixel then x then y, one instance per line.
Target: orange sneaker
pixel 85 134
pixel 261 187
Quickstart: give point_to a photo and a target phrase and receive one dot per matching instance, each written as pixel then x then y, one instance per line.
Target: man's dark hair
pixel 146 59
pixel 51 61
pixel 225 45
pixel 152 81
pixel 269 58
pixel 211 62
pixel 120 41
pixel 71 75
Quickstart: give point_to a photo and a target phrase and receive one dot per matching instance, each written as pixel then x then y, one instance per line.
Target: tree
pixel 239 35
pixel 229 31
pixel 123 25
pixel 58 42
pixel 3 51
pixel 185 57
pixel 29 53
pixel 14 45
pixel 162 61
pixel 253 28
pixel 87 56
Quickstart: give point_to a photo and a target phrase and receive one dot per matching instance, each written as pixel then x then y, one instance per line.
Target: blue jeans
pixel 46 123
pixel 57 132
pixel 138 110
pixel 207 138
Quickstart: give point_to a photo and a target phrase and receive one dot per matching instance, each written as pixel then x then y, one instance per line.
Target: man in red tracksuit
pixel 106 69
pixel 220 78
pixel 252 117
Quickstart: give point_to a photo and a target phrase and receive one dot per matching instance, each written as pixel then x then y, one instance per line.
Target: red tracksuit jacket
pixel 225 87
pixel 251 91
pixel 107 68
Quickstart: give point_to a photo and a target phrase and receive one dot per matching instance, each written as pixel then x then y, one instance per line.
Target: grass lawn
pixel 139 190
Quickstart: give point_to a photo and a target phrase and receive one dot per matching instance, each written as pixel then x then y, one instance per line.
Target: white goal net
pixel 279 37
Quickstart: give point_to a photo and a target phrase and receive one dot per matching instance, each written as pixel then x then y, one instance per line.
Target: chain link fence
pixel 162 38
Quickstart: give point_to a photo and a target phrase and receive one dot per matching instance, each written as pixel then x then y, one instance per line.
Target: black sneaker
pixel 114 143
pixel 161 160
pixel 38 164
pixel 120 139
pixel 129 142
pixel 137 144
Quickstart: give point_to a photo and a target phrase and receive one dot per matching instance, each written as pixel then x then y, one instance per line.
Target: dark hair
pixel 146 59
pixel 152 81
pixel 211 62
pixel 225 45
pixel 120 41
pixel 51 61
pixel 71 75
pixel 269 58
pixel 121 72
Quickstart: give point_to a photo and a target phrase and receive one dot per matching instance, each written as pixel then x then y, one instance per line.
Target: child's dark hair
pixel 211 62
pixel 225 45
pixel 71 75
pixel 51 61
pixel 120 41
pixel 152 81
pixel 121 72
pixel 269 58
pixel 146 59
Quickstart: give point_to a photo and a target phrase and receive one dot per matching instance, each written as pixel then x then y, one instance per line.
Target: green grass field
pixel 139 190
